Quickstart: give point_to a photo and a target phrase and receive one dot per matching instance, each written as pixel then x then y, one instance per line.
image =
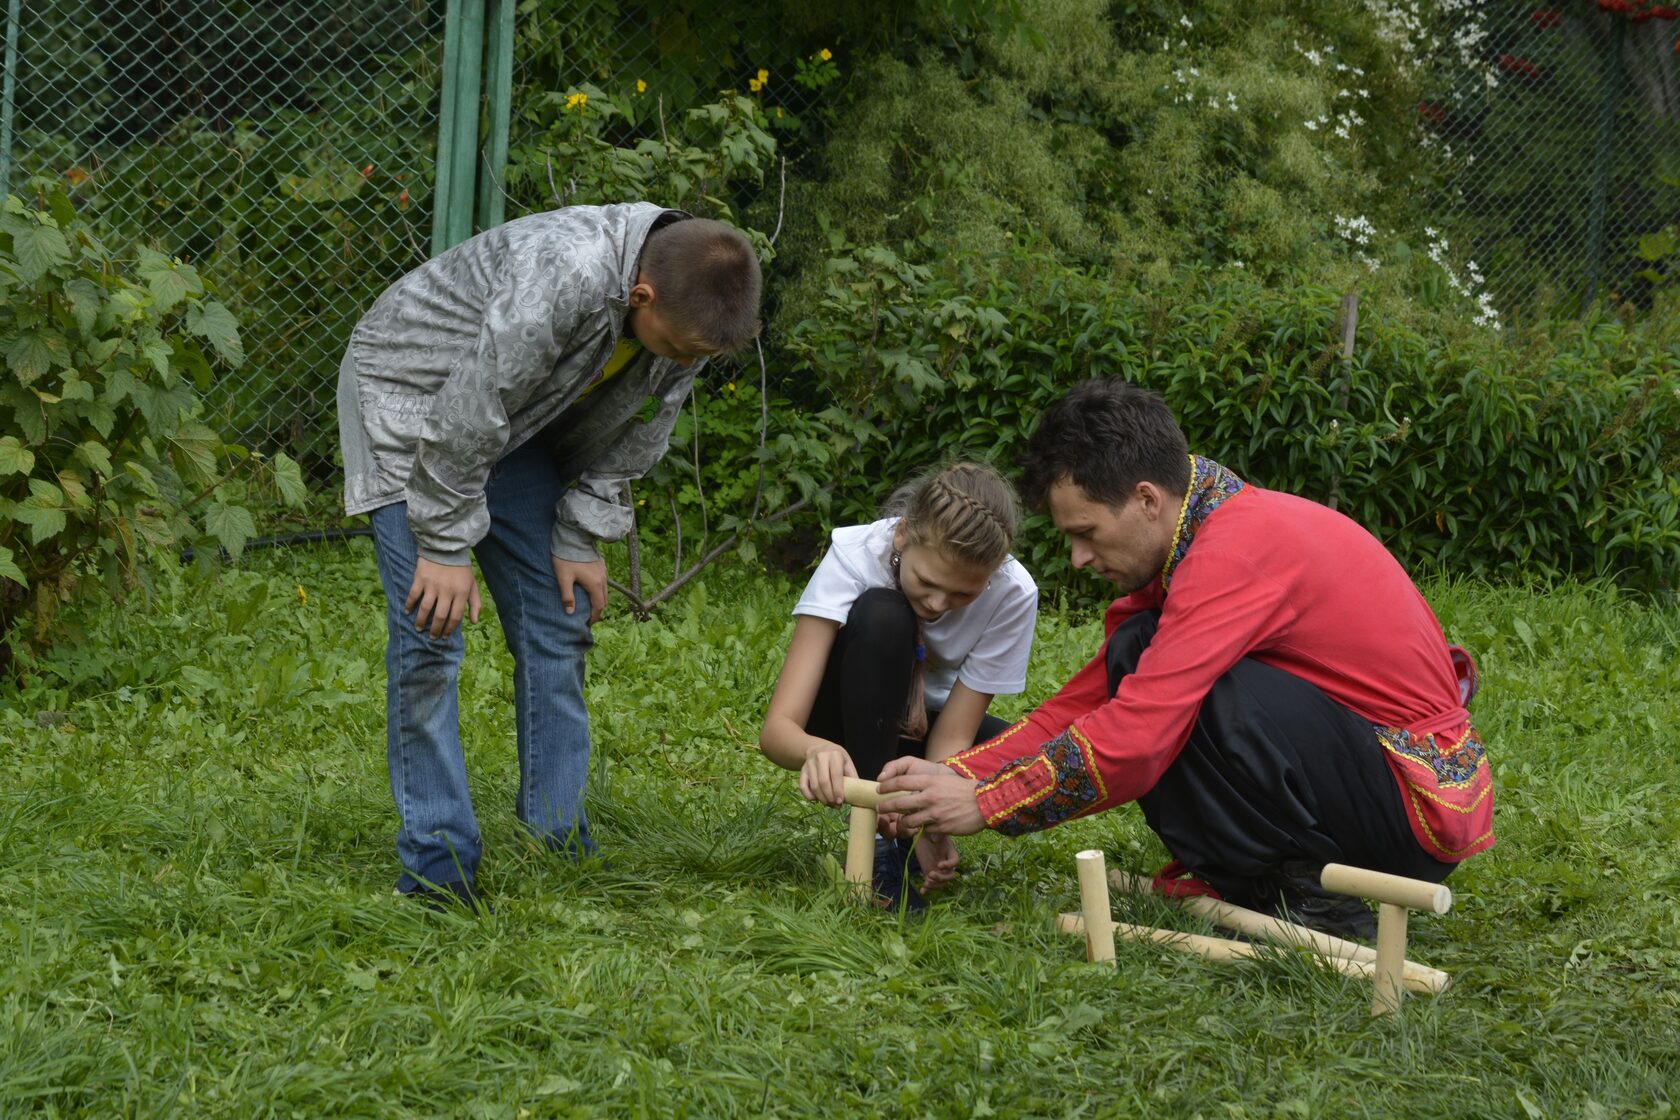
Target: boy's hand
pixel 823 777
pixel 442 593
pixel 591 575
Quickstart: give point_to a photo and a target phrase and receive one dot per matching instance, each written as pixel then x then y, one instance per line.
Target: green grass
pixel 196 914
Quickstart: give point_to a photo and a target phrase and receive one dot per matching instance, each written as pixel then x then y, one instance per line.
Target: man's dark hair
pixel 705 281
pixel 1106 437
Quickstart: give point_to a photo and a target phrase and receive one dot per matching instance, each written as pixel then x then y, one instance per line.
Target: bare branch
pixel 633 542
pixel 763 425
pixel 637 607
pixel 699 486
pixel 676 519
pixel 781 205
pixel 677 584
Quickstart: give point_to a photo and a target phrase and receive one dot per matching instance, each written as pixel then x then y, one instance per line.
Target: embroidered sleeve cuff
pixel 976 762
pixel 1042 790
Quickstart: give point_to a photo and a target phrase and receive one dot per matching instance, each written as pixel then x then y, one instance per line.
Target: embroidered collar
pixel 1210 485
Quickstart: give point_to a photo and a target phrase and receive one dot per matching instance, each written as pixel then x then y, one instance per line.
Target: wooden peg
pixel 1208 948
pixel 866 794
pixel 1093 904
pixel 1396 895
pixel 860 849
pixel 1417 977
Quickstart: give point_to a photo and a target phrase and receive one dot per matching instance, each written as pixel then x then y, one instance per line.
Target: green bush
pixel 1480 459
pixel 1274 138
pixel 103 452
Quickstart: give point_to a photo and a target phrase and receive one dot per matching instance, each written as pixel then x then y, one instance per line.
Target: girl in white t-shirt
pixel 908 628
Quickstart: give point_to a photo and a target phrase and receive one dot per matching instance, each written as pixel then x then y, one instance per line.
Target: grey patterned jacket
pixel 484 347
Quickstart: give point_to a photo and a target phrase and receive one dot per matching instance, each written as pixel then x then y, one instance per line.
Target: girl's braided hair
pixel 968 513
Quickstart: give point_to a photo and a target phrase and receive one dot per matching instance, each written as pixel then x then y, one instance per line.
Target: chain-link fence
pixel 1561 127
pixel 284 148
pixel 287 148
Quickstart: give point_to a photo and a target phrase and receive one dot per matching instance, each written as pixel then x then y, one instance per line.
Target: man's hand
pixel 442 593
pixel 823 777
pixel 931 796
pixel 591 575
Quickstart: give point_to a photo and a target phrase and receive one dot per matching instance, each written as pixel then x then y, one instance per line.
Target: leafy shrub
pixel 1561 458
pixel 1276 138
pixel 299 219
pixel 103 452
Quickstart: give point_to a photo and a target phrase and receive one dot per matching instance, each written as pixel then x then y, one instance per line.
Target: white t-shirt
pixel 985 644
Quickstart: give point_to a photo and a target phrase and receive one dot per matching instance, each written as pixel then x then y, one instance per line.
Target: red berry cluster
pixel 1516 64
pixel 1545 18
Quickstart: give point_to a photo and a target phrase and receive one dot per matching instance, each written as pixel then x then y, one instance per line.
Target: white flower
pixel 1184 21
pixel 1312 126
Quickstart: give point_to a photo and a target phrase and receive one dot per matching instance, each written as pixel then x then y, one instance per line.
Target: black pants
pixel 860 704
pixel 1275 774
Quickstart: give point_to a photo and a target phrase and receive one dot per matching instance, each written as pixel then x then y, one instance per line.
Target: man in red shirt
pixel 1274 692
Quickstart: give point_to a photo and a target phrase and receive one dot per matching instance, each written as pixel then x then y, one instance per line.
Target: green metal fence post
pixel 463 62
pixel 1611 89
pixel 498 89
pixel 8 97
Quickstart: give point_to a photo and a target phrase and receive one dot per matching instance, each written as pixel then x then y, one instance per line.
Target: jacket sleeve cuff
pixel 569 543
pixel 1042 790
pixel 453 557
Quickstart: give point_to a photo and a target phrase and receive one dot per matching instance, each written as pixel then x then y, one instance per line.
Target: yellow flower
pixel 577 100
pixel 778 112
pixel 764 77
pixel 303 596
pixel 641 86
pixel 825 54
pixel 732 386
pixel 755 84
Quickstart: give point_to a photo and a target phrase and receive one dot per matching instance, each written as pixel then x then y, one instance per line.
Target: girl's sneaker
pixel 893 890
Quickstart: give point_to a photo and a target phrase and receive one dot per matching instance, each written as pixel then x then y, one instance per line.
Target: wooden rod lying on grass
pixel 1419 977
pixel 1220 949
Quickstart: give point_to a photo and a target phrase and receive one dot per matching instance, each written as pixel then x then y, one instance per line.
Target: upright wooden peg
pixel 860 849
pixel 1093 905
pixel 1395 894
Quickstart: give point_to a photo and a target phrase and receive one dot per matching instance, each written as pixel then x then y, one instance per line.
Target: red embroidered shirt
pixel 1288 582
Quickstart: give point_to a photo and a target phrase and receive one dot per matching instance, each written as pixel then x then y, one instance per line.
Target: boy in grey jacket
pixel 488 407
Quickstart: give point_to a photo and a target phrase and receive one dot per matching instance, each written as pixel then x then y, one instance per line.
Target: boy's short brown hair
pixel 705 280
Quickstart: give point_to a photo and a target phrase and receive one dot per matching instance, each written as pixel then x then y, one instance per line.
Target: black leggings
pixel 866 683
pixel 1275 773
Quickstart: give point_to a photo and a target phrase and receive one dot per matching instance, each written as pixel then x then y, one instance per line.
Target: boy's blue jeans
pixel 439 838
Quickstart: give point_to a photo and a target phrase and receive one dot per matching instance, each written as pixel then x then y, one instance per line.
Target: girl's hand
pixel 937 854
pixel 823 777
